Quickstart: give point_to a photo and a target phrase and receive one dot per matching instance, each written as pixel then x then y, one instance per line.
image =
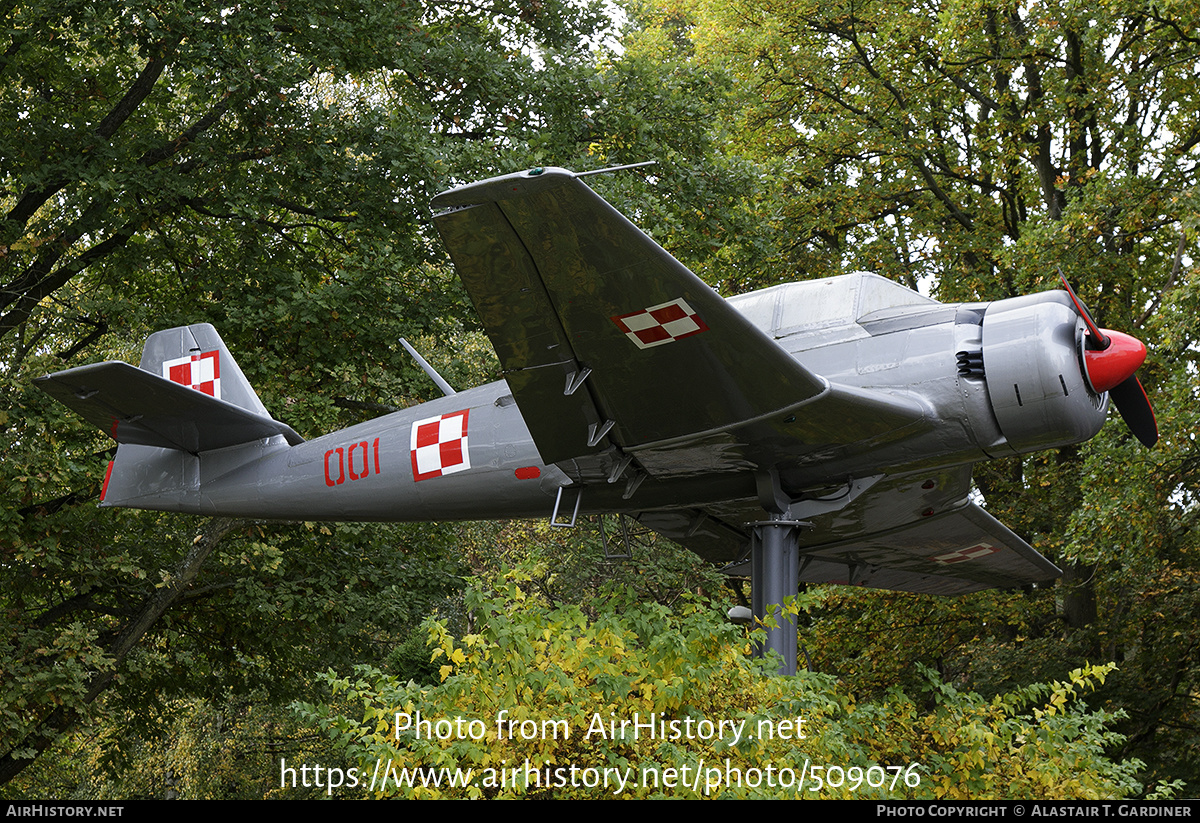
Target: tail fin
pixel 189 397
pixel 195 356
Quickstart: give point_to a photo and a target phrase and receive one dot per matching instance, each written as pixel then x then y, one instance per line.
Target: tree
pixel 532 705
pixel 265 169
pixel 973 144
pixel 973 148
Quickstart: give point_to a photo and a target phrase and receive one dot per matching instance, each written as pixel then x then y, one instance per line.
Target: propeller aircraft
pixel 820 431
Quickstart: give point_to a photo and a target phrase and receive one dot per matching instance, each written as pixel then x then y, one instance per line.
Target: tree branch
pixel 35 198
pixel 179 578
pixel 1176 267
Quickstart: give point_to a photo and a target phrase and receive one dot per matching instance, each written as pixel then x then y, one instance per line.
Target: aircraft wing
pixel 955 552
pixel 604 336
pixel 903 534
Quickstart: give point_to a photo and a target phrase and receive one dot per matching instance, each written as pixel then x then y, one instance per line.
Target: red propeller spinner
pixel 1111 360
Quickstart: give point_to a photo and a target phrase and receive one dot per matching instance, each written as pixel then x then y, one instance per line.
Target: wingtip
pixel 504 187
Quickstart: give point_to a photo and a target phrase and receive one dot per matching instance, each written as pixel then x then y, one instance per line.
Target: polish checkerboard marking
pixel 439 445
pixel 664 323
pixel 201 372
pixel 960 555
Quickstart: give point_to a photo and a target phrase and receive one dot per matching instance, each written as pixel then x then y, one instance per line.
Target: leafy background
pixel 268 169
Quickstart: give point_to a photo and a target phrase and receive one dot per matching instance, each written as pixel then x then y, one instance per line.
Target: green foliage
pixel 567 678
pixel 218 748
pixel 410 661
pixel 654 101
pixel 971 145
pixel 574 566
pixel 973 149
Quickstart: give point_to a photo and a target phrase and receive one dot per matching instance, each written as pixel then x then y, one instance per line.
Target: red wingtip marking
pixel 107 475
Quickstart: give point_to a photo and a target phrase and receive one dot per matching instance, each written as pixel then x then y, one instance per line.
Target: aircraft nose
pixel 1114 363
pixel 1110 359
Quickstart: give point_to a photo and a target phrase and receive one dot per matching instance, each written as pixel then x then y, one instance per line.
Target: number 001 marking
pixel 347 464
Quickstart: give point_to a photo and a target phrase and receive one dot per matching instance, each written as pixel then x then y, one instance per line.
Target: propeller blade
pixel 1099 338
pixel 1131 401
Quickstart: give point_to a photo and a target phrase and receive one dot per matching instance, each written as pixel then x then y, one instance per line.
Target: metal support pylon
pixel 774 575
pixel 775 554
pixel 775 567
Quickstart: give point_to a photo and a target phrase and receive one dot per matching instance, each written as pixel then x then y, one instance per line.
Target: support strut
pixel 775 553
pixel 774 575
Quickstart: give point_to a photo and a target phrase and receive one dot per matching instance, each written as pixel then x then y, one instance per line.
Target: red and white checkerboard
pixel 439 445
pixel 664 323
pixel 958 556
pixel 201 372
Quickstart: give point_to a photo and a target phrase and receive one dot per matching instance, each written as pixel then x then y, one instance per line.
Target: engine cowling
pixel 1033 359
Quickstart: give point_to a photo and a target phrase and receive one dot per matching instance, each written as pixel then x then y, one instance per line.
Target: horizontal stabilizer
pixel 136 406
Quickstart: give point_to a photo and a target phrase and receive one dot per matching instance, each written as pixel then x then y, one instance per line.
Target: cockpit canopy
pixel 812 305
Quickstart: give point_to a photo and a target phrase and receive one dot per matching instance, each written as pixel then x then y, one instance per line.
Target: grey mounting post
pixel 775 567
pixel 775 554
pixel 774 575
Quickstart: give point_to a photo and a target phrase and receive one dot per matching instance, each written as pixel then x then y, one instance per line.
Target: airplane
pixel 820 431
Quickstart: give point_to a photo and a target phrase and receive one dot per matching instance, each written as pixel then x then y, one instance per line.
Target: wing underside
pixel 918 533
